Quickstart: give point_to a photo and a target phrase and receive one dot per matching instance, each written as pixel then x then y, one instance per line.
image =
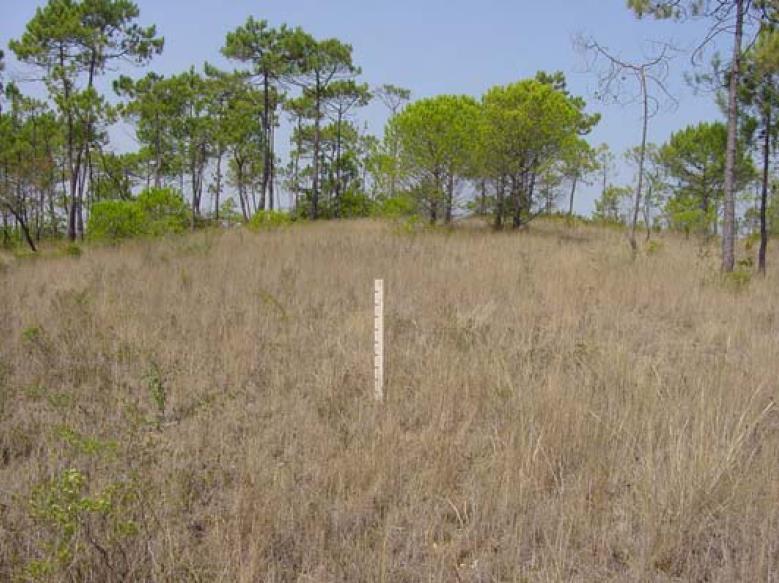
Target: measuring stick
pixel 378 339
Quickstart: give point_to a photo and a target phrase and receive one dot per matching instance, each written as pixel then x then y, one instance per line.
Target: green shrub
pixel 156 211
pixel 228 212
pixel 269 220
pixel 412 224
pixel 72 250
pixel 72 523
pixel 164 209
pixel 114 220
pixel 32 334
pixel 157 390
pixel 356 204
pixel 685 216
pixel 351 204
pixel 401 205
pixel 739 278
pixel 653 247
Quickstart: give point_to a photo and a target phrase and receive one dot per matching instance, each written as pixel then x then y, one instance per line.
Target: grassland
pixel 200 409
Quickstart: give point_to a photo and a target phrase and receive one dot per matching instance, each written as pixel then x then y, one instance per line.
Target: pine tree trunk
pixel 73 159
pixel 761 256
pixel 500 195
pixel 449 199
pixel 729 202
pixel 261 205
pixel 573 192
pixel 266 136
pixel 338 167
pixel 241 188
pixel 516 196
pixel 641 160
pixel 23 226
pixel 157 153
pixel 218 190
pixel 314 211
pixel 272 171
pixel 434 199
pixel 296 163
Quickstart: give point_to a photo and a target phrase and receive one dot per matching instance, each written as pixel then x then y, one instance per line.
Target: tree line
pixel 208 152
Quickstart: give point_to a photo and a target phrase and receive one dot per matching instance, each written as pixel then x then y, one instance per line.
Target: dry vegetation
pixel 201 409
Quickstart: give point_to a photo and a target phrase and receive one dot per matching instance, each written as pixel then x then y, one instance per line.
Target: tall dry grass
pixel 555 411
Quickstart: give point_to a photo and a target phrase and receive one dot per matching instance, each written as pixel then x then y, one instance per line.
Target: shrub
pixel 164 209
pixel 269 220
pixel 740 277
pixel 114 220
pixel 156 211
pixel 228 213
pixel 157 390
pixel 653 247
pixel 351 204
pixel 402 205
pixel 72 250
pixel 356 204
pixel 72 524
pixel 685 216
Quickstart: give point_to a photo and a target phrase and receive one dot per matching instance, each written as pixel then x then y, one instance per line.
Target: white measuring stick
pixel 378 339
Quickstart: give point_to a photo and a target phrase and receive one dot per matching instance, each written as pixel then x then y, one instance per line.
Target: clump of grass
pixel 653 247
pixel 72 250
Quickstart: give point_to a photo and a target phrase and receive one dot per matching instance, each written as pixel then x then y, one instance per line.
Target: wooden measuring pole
pixel 378 339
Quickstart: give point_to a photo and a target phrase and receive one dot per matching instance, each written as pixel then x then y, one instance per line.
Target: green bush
pixel 114 220
pixel 72 522
pixel 269 220
pixel 356 204
pixel 401 205
pixel 164 209
pixel 653 247
pixel 72 250
pixel 228 212
pixel 156 211
pixel 351 204
pixel 740 277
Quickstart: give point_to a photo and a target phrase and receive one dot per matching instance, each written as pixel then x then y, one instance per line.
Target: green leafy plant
pixel 164 211
pixel 72 250
pixel 228 212
pixel 86 445
pixel 394 207
pixel 653 247
pixel 157 390
pixel 65 512
pixel 355 203
pixel 115 220
pixel 32 334
pixel 740 278
pixel 156 211
pixel 269 220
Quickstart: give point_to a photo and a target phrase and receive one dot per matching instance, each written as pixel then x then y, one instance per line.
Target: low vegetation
pixel 200 408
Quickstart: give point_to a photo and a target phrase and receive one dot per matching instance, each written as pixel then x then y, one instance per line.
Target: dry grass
pixel 555 412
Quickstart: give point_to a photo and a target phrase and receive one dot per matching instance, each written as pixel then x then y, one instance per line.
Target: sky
pixel 433 47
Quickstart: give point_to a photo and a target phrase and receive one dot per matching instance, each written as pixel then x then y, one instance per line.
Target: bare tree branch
pixel 650 77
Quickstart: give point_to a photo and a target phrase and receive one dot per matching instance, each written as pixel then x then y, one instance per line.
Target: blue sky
pixel 432 47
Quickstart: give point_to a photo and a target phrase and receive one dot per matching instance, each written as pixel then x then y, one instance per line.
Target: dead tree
pixel 628 82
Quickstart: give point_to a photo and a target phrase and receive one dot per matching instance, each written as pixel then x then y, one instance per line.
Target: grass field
pixel 200 409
